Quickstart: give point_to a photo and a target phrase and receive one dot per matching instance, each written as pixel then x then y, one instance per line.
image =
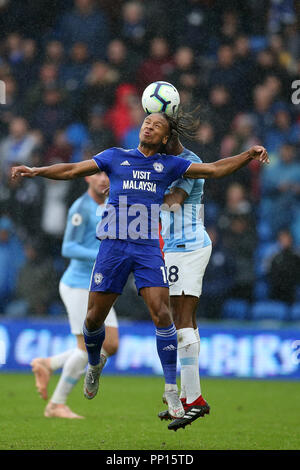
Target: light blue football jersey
pixel 80 243
pixel 184 230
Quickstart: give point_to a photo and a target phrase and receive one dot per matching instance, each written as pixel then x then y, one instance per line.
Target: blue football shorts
pixel 116 259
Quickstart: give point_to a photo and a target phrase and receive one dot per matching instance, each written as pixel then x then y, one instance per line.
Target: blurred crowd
pixel 74 72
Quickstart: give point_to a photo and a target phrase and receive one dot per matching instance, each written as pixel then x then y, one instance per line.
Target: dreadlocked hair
pixel 184 124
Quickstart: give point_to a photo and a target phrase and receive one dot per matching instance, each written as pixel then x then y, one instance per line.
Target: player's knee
pixel 92 321
pixel 163 317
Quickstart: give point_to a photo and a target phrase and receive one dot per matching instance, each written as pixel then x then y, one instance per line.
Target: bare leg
pixel 157 300
pixel 184 310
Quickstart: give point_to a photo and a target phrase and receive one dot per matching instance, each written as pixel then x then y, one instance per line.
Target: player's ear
pixel 165 139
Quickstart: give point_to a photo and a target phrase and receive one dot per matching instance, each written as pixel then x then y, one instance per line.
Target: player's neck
pixel 148 150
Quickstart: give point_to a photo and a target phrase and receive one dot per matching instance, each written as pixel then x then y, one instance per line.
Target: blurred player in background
pixel 187 254
pixel 142 175
pixel 81 246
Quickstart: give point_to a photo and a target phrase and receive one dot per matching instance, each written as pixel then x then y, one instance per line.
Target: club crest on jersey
pixel 98 278
pixel 158 167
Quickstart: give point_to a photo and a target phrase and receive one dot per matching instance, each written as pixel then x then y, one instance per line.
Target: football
pixel 161 97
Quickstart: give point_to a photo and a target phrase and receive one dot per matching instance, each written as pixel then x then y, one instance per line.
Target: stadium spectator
pixel 26 69
pixel 60 150
pixel 157 66
pixel 48 77
pixel 192 25
pixel 76 69
pixel 86 23
pixel 244 62
pixel 133 26
pixel 262 113
pixel 52 114
pixel 11 259
pixel 237 228
pixel 283 269
pixel 225 71
pixel 241 136
pixel 26 200
pixel 100 135
pixel 55 53
pixel 220 110
pixel 131 136
pixel 12 107
pixel 283 130
pixel 281 185
pixel 37 281
pixel 218 280
pixel 185 73
pixel 122 60
pixel 118 116
pixel 99 89
pixel 230 27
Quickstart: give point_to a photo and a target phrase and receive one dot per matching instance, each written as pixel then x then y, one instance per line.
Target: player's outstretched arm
pixel 59 171
pixel 226 166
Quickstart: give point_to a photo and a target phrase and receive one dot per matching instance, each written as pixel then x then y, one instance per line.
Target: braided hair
pixel 184 124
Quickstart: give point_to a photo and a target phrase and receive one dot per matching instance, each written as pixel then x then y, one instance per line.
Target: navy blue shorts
pixel 116 259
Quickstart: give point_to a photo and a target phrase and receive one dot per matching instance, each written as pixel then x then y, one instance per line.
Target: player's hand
pixel 258 152
pixel 22 170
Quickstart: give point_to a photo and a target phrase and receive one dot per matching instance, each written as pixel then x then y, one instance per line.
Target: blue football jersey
pixel 137 187
pixel 80 243
pixel 183 230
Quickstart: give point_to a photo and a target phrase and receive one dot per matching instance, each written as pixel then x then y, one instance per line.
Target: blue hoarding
pixel 225 351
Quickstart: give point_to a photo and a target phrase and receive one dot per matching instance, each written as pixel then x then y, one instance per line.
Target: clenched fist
pixel 22 170
pixel 258 152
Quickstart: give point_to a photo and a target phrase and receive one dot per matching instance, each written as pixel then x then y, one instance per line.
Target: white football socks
pixel 57 361
pixel 188 354
pixel 73 369
pixel 196 330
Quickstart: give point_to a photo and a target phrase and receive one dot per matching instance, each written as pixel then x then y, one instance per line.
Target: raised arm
pixel 226 166
pixel 59 171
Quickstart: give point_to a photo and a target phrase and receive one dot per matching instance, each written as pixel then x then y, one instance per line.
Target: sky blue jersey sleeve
pixel 72 246
pixel 186 184
pixel 104 160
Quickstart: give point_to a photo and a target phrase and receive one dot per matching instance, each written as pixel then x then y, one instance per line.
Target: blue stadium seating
pixel 264 231
pixel 269 310
pixel 235 309
pixel 295 312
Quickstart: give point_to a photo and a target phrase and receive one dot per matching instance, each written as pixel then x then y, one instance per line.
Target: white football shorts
pixel 185 271
pixel 76 303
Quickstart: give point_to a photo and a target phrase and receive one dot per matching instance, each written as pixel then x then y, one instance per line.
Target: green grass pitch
pixel 245 415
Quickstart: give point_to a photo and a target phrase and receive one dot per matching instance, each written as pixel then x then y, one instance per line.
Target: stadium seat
pixel 235 309
pixel 56 309
pixel 295 312
pixel 264 231
pixel 269 310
